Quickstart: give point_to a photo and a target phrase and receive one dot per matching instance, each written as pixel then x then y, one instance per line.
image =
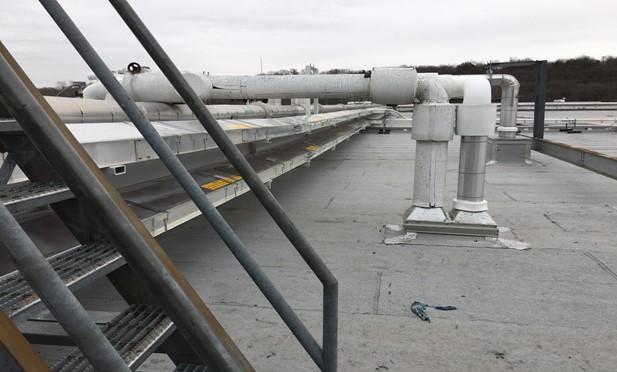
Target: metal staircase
pixel 165 313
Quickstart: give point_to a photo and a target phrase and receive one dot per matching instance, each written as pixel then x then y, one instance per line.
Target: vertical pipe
pixel 540 100
pixel 429 180
pixel 260 191
pixel 57 297
pixel 51 137
pixel 472 168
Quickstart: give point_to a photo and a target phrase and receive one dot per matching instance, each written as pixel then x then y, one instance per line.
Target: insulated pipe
pixel 79 110
pixel 472 160
pixel 383 85
pixel 509 98
pixel 433 128
pixel 154 87
pixel 454 85
pixel 57 297
pixel 352 87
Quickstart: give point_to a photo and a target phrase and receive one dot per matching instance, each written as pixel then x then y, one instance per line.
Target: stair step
pixel 77 266
pixel 136 333
pixel 30 195
pixel 190 368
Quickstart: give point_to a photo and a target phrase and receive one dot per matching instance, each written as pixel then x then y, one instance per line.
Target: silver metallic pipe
pixel 57 297
pixel 509 94
pixel 472 168
pixel 509 98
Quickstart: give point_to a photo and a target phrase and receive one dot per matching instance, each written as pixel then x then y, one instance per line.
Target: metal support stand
pixel 540 100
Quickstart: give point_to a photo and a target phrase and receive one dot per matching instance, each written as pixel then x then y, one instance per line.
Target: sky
pixel 230 37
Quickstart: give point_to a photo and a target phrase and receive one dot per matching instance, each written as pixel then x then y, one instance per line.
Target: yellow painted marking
pixel 311 148
pixel 239 126
pixel 222 182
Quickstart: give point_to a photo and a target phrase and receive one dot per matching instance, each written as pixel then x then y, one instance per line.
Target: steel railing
pixel 326 356
pixel 143 254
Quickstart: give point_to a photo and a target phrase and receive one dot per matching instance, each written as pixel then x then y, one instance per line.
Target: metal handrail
pixel 325 358
pixel 60 301
pixel 72 163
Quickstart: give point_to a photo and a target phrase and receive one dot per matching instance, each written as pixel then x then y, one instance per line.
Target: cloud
pixel 230 37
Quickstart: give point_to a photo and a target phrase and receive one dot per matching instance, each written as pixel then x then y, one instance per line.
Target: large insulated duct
pixel 352 87
pixel 151 87
pixel 383 85
pixel 154 87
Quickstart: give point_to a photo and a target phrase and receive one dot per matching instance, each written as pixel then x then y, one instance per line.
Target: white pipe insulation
pixel 432 129
pixel 510 87
pixel 78 110
pixel 384 85
pixel 152 87
pixel 475 122
pixel 434 124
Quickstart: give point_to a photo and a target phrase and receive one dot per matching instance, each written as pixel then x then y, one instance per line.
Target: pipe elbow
pixel 476 91
pixel 431 89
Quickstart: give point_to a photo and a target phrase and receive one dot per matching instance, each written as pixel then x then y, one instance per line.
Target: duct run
pixel 434 123
pixel 382 85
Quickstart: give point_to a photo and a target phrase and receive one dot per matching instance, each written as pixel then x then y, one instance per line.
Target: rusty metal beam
pixel 18 348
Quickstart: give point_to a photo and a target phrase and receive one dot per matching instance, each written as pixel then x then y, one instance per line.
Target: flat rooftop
pixel 551 307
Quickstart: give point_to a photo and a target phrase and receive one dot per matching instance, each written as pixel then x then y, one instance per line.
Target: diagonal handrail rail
pixel 325 358
pixel 72 163
pixel 60 301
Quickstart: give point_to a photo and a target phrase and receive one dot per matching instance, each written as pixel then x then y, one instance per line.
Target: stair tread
pixel 190 368
pixel 73 265
pixel 33 194
pixel 136 333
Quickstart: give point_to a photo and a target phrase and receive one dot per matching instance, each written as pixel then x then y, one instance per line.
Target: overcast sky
pixel 230 37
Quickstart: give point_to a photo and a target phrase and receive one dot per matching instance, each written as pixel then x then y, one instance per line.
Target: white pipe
pixel 509 103
pixel 432 129
pixel 352 87
pixel 383 85
pixel 472 161
pixel 78 110
pixel 454 86
pixel 432 88
pixel 154 87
